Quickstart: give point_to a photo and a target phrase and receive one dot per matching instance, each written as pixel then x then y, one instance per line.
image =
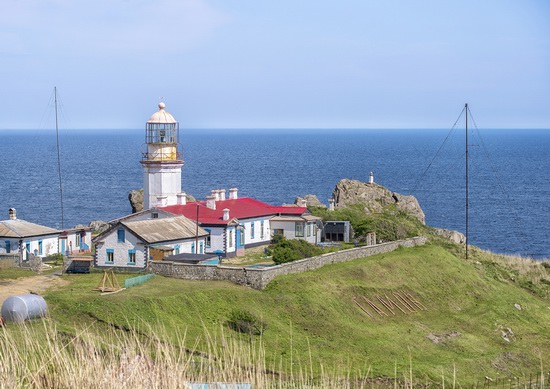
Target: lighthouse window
pixel 162 136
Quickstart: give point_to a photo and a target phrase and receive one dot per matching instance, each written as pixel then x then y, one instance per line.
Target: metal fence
pixel 134 281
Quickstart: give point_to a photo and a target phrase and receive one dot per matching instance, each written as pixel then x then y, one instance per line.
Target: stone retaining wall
pixel 261 277
pixel 8 261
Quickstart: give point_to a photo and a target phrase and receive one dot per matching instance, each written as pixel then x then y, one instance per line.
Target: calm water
pixel 509 172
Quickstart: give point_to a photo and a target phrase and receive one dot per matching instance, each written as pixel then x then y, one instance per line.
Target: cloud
pixel 103 28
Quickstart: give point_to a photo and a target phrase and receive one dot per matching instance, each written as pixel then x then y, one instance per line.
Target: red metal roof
pixel 241 208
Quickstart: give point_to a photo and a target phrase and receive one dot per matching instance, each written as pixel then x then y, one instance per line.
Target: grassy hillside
pixel 471 326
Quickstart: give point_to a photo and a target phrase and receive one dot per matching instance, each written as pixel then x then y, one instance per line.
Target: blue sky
pixel 277 64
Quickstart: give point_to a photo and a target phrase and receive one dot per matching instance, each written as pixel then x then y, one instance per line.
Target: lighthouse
pixel 162 160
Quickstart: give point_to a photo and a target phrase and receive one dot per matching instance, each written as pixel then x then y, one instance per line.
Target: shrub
pixel 56 258
pixel 284 250
pixel 245 322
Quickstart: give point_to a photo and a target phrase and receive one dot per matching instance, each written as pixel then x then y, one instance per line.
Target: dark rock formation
pixel 375 198
pixel 310 201
pixel 136 200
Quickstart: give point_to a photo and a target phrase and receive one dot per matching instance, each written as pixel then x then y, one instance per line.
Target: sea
pixel 508 174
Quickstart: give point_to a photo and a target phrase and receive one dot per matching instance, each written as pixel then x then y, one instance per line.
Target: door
pixel 240 238
pixel 63 246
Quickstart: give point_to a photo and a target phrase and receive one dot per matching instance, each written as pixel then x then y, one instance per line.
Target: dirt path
pixel 35 284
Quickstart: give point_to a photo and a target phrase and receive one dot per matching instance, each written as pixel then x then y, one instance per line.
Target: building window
pixel 77 240
pixel 230 238
pixel 262 231
pixel 8 246
pixel 193 248
pixel 252 230
pixel 154 215
pixel 299 232
pixel 39 247
pixel 208 238
pixel 110 256
pixel 201 248
pixel 308 229
pixel 131 257
pixel 241 238
pixel 121 237
pixel 177 249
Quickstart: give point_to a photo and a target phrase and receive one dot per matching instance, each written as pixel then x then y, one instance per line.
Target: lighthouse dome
pixel 161 116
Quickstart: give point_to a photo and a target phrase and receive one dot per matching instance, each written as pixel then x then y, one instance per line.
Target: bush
pixel 284 250
pixel 56 258
pixel 245 322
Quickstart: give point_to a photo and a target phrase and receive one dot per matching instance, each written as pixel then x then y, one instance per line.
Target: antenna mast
pixel 58 158
pixel 467 180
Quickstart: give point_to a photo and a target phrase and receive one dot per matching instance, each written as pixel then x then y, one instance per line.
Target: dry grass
pixel 535 271
pixel 39 356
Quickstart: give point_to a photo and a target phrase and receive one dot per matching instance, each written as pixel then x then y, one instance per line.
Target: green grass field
pixel 313 323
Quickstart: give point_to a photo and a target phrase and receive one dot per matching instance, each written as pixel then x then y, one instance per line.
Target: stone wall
pixel 8 261
pixel 259 278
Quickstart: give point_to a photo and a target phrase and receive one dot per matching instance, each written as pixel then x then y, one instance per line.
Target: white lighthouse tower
pixel 162 161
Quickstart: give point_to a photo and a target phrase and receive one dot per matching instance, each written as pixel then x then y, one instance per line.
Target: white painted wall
pixel 258 237
pixel 161 179
pixel 120 249
pixel 217 239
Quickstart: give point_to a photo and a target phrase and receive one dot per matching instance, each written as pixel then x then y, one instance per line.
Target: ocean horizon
pixel 509 174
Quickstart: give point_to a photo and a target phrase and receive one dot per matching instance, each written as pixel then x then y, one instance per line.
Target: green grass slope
pixel 471 324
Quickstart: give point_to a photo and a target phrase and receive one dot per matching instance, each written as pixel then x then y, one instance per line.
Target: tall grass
pixel 39 356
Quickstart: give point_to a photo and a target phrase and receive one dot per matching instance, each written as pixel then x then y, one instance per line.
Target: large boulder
pixel 310 201
pixel 136 200
pixel 375 198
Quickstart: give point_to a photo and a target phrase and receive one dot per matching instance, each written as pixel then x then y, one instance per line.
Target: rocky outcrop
pixel 310 201
pixel 375 198
pixel 135 197
pixel 98 226
pixel 453 236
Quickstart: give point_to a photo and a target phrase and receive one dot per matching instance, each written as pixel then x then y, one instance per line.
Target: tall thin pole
pixel 197 231
pixel 58 159
pixel 467 181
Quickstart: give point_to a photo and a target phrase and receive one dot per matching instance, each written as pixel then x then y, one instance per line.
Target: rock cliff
pixel 375 198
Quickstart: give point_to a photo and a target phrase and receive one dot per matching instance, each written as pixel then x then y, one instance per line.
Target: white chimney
pixel 222 194
pixel 216 194
pixel 226 214
pixel 162 201
pixel 182 198
pixel 233 193
pixel 371 178
pixel 331 204
pixel 13 213
pixel 211 202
